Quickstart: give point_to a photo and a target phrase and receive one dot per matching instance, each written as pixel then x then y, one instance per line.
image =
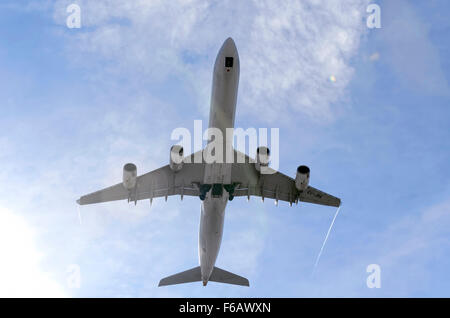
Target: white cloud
pixel 288 50
pixel 21 274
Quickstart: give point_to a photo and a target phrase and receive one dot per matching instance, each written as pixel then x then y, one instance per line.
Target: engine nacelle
pixel 129 176
pixel 302 178
pixel 262 157
pixel 176 158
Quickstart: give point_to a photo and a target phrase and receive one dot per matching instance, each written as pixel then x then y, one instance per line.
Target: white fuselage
pixel 222 114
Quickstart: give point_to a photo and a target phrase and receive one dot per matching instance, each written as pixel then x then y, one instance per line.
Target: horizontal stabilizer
pixel 194 275
pixel 189 276
pixel 222 276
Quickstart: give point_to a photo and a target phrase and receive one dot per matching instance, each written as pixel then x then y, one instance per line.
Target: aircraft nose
pixel 228 58
pixel 229 42
pixel 229 47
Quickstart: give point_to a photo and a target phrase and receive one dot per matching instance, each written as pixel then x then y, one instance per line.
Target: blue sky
pixel 77 104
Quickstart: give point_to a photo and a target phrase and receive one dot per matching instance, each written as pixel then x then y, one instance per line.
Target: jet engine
pixel 262 157
pixel 302 178
pixel 129 176
pixel 176 158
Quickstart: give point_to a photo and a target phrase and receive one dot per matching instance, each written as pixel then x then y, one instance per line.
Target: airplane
pixel 215 183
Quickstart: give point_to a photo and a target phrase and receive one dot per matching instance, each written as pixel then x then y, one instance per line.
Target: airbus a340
pixel 215 183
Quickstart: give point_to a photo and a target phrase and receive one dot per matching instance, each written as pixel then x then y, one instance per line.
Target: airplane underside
pixel 214 183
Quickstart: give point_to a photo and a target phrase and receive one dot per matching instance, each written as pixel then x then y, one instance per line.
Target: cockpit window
pixel 228 61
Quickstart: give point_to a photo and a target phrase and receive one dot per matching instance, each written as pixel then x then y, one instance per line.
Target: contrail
pixel 325 241
pixel 79 214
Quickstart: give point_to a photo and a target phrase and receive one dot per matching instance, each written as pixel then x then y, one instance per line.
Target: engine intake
pixel 129 176
pixel 176 158
pixel 302 178
pixel 262 158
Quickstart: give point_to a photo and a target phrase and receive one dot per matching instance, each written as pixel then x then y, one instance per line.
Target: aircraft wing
pixel 162 182
pixel 276 186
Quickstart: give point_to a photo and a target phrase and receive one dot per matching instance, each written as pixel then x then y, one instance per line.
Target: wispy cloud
pixel 289 50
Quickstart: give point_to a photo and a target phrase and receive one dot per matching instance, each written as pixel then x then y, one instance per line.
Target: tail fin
pixel 194 275
pixel 222 276
pixel 189 276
